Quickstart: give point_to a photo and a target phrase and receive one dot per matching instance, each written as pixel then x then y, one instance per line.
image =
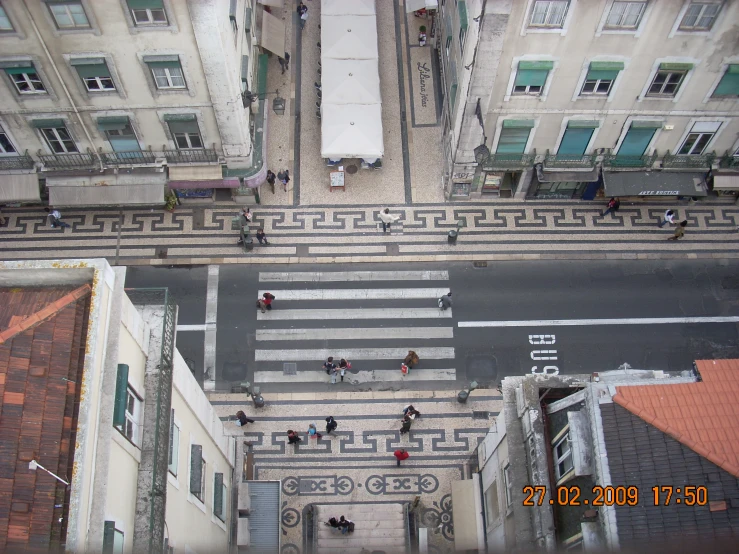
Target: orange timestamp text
pixel 615 496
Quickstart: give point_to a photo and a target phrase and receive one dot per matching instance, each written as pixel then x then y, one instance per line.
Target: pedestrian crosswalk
pixel 320 314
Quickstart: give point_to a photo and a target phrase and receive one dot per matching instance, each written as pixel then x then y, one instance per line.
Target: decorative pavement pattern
pixel 355 464
pixel 511 230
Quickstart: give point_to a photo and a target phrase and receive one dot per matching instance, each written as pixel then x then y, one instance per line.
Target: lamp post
pixel 278 104
pixel 33 465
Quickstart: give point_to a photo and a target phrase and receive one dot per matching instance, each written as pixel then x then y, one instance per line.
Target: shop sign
pixel 659 193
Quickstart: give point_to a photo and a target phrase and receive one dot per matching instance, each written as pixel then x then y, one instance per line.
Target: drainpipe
pixel 64 86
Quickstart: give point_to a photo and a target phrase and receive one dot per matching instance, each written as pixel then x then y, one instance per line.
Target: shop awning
pixel 108 195
pixel 726 181
pixel 466 514
pixel 413 5
pixel 206 184
pixel 19 187
pixel 654 183
pixel 195 172
pixel 566 176
pixel 274 3
pixel 273 34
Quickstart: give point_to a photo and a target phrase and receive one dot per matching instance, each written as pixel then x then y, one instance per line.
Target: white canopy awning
pixel 351 131
pixel 19 188
pixel 350 82
pixel 351 37
pixel 273 34
pixel 413 5
pixel 348 7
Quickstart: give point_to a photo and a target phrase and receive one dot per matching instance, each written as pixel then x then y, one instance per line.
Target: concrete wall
pixel 191 523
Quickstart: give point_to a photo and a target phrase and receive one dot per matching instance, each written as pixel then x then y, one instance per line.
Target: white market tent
pixel 351 102
pixel 413 5
pixel 352 130
pixel 350 82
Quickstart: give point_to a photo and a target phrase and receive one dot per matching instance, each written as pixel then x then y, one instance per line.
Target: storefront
pixel 19 188
pixel 726 183
pixel 655 183
pixel 199 182
pixel 500 184
pixel 137 188
pixel 564 185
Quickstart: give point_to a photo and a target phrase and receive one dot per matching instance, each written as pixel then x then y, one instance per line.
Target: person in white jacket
pixel 387 218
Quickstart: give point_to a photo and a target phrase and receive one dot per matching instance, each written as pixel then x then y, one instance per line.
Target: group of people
pixel 245 218
pixel 284 175
pixel 409 416
pixel 334 370
pixel 670 217
pixel 312 432
pixel 343 524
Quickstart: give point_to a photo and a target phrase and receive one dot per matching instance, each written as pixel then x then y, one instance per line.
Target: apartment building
pixel 574 98
pixel 108 102
pixel 94 391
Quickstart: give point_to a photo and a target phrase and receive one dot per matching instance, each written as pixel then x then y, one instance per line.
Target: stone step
pixel 360 550
pixel 367 519
pixel 361 542
pixel 397 530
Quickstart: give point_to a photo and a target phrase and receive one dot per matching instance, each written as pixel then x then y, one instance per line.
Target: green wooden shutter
pixel 19 70
pixel 462 9
pixel 604 71
pixel 533 73
pixel 513 139
pixel 636 141
pixel 162 61
pixel 121 395
pixel 91 67
pixel 47 123
pixel 218 495
pixel 196 469
pixel 108 537
pixel 145 4
pixel 729 85
pixel 112 123
pixel 575 141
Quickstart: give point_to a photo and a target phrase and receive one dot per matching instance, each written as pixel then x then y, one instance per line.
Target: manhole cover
pixel 480 264
pixel 351 169
pixel 480 415
pixel 290 369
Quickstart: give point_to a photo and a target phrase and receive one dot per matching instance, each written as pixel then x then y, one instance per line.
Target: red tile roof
pixel 42 346
pixel 704 416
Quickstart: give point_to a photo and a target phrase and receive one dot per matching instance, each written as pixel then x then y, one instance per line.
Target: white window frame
pixel 61 141
pixel 676 30
pixel 700 16
pixel 499 131
pixel 175 462
pixel 29 82
pixel 683 75
pixel 567 455
pixel 491 501
pixel 549 3
pixel 133 418
pixel 119 547
pixel 625 130
pixel 150 21
pixel 722 72
pixel 188 138
pixel 3 151
pixel 577 94
pixel 10 22
pixel 593 137
pixel 514 71
pixel 74 26
pixel 620 26
pixel 603 28
pixel 190 496
pixel 224 496
pixel 168 76
pixel 99 81
pixel 508 485
pixel 595 93
pixel 653 73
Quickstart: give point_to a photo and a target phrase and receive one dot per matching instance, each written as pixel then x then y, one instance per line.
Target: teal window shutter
pixel 121 395
pixel 462 10
pixel 89 70
pixel 513 140
pixel 47 123
pixel 247 20
pixel 582 124
pixel 636 141
pixel 182 123
pixel 108 537
pixel 145 4
pixel 112 123
pixel 602 71
pixel 196 469
pixel 729 85
pixel 19 70
pixel 218 495
pixel 675 66
pixel 531 77
pixel 162 61
pixel 575 141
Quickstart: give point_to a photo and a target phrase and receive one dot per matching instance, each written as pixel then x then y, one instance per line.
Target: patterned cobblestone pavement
pixel 513 230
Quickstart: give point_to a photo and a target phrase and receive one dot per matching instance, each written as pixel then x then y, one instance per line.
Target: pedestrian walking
pixel 284 62
pixel 261 237
pixel 292 437
pixel 55 218
pixel 613 205
pixel 271 179
pixel 331 424
pixel 262 305
pixel 679 231
pixel 346 525
pixel 332 522
pixel 670 216
pixel 411 411
pixel 313 432
pixel 343 366
pixel 334 373
pixel 401 455
pixel 407 422
pixel 284 177
pixel 411 359
pixel 445 302
pixel 387 219
pixel 302 14
pixel 242 420
pixel 329 364
pixel 268 298
pixel 246 214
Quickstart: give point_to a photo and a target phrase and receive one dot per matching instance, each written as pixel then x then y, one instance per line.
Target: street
pixel 508 318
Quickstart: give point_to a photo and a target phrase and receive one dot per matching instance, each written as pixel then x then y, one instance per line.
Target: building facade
pixel 559 99
pixel 107 102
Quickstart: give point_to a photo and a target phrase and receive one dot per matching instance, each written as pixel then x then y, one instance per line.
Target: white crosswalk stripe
pixel 375 351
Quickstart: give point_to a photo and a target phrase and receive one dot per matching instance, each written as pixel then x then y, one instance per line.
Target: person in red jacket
pixel 401 455
pixel 268 298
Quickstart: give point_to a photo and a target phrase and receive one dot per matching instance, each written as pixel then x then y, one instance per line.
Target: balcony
pixel 569 162
pixel 616 161
pixel 69 161
pixel 135 157
pixel 686 161
pixel 199 156
pixel 497 162
pixel 728 161
pixel 19 161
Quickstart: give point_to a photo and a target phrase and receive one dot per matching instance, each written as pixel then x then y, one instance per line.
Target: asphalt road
pixel 540 294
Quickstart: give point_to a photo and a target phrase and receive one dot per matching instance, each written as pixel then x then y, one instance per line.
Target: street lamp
pixel 33 465
pixel 482 153
pixel 278 104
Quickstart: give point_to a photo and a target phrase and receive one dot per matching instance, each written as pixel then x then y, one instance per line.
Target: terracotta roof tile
pixel 702 415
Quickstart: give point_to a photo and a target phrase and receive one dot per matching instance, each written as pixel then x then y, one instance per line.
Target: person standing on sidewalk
pixel 284 62
pixel 55 218
pixel 313 432
pixel 387 219
pixel 670 216
pixel 284 177
pixel 679 231
pixel 242 420
pixel 302 14
pixel 261 237
pixel 613 205
pixel 271 179
pixel 343 366
pixel 331 424
pixel 401 455
pixel 407 422
pixel 292 437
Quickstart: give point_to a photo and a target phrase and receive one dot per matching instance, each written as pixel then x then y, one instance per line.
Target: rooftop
pixel 43 333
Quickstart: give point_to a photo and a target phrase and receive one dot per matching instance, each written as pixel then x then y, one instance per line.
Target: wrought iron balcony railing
pixel 18 161
pixel 202 155
pixel 617 160
pixel 729 161
pixel 508 161
pixel 136 157
pixel 69 161
pixel 688 161
pixel 566 161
